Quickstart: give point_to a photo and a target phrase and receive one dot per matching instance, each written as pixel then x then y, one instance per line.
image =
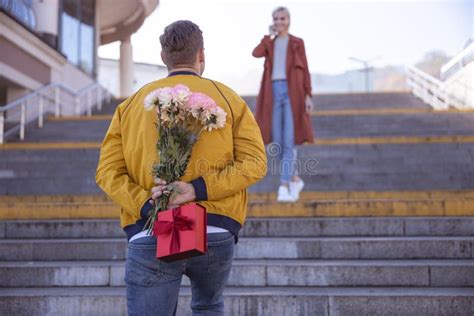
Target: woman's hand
pixel 308 102
pixel 272 32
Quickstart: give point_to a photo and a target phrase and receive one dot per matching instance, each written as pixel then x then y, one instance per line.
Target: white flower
pixel 181 94
pixel 151 100
pixel 165 95
pixel 216 120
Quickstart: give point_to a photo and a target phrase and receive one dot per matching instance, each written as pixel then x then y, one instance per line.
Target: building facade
pixel 45 41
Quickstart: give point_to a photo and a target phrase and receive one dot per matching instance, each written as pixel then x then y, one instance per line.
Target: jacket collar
pixel 182 72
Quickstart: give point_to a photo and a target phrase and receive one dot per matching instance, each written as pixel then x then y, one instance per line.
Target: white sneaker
pixel 284 195
pixel 295 188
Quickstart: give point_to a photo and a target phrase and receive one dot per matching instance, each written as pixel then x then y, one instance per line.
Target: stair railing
pixel 458 62
pixel 53 98
pixel 434 91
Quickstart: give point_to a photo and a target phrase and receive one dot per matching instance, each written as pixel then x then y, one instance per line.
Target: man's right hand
pixel 158 189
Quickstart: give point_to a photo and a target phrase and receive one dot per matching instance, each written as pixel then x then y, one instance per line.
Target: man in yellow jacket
pixel 223 164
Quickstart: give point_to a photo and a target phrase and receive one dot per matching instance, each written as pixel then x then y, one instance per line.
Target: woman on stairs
pixel 284 105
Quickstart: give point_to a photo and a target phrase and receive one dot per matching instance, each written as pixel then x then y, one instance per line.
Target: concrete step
pixel 375 182
pixel 337 172
pixel 48 156
pixel 257 227
pixel 315 180
pixel 459 247
pixel 409 124
pixel 419 273
pixel 268 196
pixel 77 185
pixel 395 100
pixel 406 153
pixel 87 130
pixel 340 166
pixel 258 301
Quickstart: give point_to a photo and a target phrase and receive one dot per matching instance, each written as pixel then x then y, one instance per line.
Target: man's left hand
pixel 183 192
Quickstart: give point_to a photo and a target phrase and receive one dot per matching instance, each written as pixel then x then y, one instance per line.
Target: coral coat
pixel 299 85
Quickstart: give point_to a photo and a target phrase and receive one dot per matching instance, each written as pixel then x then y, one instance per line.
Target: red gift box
pixel 181 233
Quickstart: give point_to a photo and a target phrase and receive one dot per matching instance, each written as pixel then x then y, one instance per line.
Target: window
pixel 77 33
pixel 21 10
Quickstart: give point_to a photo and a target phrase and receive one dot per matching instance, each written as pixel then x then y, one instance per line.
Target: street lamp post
pixel 366 69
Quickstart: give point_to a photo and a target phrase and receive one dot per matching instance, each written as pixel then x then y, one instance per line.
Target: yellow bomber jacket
pixel 223 162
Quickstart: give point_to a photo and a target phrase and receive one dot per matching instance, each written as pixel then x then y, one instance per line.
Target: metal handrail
pixel 13 104
pixel 457 62
pixel 434 91
pixel 94 94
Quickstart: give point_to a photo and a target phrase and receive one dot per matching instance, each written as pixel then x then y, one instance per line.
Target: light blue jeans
pixel 152 285
pixel 283 132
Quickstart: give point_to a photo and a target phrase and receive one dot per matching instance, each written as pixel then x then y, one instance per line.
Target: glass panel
pixel 87 43
pixel 70 31
pixel 78 33
pixel 21 10
pixel 87 48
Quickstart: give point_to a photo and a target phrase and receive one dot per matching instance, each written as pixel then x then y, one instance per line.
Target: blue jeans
pixel 152 285
pixel 283 132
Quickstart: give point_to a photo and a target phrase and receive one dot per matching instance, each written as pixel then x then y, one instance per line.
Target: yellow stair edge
pixel 319 141
pixel 393 140
pixel 58 145
pixel 266 196
pixel 259 208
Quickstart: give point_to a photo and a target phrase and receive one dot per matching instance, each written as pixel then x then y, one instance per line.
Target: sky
pixel 392 32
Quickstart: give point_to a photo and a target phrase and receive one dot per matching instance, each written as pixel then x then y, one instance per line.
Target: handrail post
pixel 77 105
pixel 56 102
pixel 22 121
pixel 2 125
pixel 435 97
pixel 99 98
pixel 446 100
pixel 89 103
pixel 40 110
pixel 426 93
pixel 466 97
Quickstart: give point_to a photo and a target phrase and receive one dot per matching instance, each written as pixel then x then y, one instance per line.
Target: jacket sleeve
pixel 307 76
pixel 112 175
pixel 262 48
pixel 248 167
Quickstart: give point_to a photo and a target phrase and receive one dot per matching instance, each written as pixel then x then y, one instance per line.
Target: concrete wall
pixel 109 74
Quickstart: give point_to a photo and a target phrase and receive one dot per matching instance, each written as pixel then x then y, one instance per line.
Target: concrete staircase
pixel 303 266
pixel 385 225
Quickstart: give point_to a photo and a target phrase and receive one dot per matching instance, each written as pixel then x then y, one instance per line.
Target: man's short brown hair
pixel 180 43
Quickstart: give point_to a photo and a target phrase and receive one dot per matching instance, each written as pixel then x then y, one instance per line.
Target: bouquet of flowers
pixel 182 117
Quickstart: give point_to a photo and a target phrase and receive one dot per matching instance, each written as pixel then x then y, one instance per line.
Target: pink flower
pixel 178 104
pixel 200 105
pixel 165 95
pixel 181 93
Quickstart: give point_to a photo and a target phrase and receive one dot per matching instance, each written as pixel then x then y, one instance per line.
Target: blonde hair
pixel 281 9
